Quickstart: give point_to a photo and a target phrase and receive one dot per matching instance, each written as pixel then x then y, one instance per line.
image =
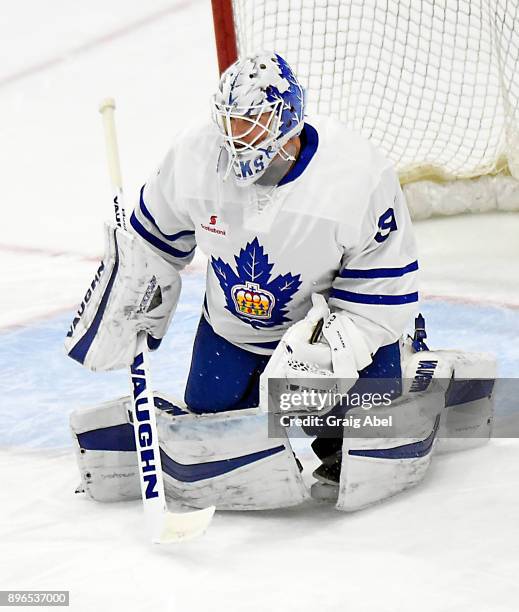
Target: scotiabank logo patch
pixel 214 226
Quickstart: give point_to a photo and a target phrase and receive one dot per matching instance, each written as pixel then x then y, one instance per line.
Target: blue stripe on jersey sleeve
pixel 379 272
pixel 365 298
pixel 150 218
pixel 157 242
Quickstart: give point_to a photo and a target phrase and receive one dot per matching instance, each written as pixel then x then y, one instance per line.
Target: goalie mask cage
pixel 432 83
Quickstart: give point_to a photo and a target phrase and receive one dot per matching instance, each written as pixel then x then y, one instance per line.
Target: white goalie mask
pixel 258 108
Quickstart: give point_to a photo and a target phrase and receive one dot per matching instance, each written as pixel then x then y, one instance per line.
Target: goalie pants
pixel 222 376
pixel 225 377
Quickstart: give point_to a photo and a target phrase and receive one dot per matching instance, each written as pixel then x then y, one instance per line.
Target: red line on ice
pixel 443 298
pixel 459 299
pixel 195 268
pixel 192 269
pixel 9 327
pixel 92 44
pixel 24 250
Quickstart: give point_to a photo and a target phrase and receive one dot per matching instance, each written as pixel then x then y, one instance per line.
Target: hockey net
pixel 432 83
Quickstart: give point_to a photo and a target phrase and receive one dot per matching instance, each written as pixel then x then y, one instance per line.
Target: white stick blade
pixel 180 527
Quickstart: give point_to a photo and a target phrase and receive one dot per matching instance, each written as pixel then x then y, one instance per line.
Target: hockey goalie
pixel 311 275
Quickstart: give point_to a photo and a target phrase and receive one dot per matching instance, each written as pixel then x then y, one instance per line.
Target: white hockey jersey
pixel 337 224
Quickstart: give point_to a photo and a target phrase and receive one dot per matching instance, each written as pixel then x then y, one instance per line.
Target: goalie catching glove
pixel 134 290
pixel 335 359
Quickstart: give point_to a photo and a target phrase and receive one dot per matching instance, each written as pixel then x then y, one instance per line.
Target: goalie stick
pixel 164 526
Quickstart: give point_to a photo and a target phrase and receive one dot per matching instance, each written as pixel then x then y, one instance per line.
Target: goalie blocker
pixel 228 460
pixel 133 290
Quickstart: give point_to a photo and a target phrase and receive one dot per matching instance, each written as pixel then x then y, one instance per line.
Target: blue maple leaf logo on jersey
pixel 250 294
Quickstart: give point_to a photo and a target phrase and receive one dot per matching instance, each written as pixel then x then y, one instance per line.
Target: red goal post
pixel 434 84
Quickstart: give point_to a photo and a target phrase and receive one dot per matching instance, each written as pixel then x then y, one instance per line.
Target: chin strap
pixel 285 155
pixel 274 172
pixel 278 168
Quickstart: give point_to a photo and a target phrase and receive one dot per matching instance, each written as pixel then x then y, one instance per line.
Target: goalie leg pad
pixel 105 451
pixel 226 460
pixel 468 380
pixel 374 469
pixel 469 405
pixel 447 399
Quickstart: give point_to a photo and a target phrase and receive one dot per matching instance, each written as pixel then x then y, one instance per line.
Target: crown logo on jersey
pixel 253 301
pixel 250 293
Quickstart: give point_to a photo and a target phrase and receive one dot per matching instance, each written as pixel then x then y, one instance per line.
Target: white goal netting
pixel 434 83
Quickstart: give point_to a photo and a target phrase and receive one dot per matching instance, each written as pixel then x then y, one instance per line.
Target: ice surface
pixel 450 545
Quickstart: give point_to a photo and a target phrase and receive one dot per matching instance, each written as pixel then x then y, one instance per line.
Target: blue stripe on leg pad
pixel 211 469
pixel 406 451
